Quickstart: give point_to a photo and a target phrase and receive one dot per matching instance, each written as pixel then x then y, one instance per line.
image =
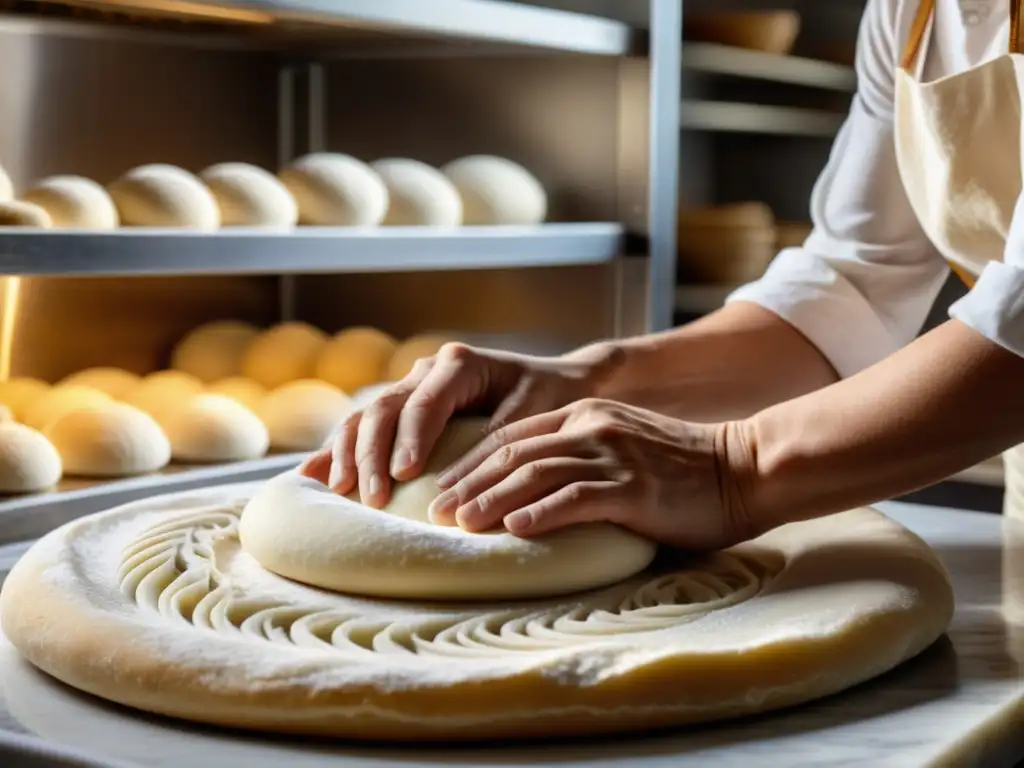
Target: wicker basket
pixel 768 31
pixel 792 234
pixel 720 255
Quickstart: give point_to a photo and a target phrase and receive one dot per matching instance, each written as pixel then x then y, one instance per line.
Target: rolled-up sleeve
pixel 863 283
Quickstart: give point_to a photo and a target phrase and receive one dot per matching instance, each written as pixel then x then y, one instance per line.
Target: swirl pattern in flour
pixel 177 569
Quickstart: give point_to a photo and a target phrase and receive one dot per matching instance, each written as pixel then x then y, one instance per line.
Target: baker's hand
pixel 392 438
pixel 596 460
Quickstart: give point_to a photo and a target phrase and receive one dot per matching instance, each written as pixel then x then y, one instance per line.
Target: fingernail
pixel 446 479
pixel 441 506
pixel 334 477
pixel 518 521
pixel 374 489
pixel 402 460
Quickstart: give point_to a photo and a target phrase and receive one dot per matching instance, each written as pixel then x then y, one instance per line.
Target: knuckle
pixel 505 457
pixel 422 400
pixel 484 502
pixel 535 473
pixel 455 351
pixel 420 367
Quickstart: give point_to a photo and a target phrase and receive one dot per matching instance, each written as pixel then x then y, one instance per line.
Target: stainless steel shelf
pixel 305 250
pixel 713 58
pixel 735 117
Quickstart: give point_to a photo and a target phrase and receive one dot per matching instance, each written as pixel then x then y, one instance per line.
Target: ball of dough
pixel 249 196
pixel 6 186
pixel 213 428
pixel 161 195
pixel 297 528
pixel 411 350
pixel 355 358
pixel 418 194
pixel 111 440
pixel 17 213
pixel 74 202
pixel 336 190
pixel 497 191
pixel 214 350
pixel 300 415
pixel 116 382
pixel 286 352
pixel 20 393
pixel 245 391
pixel 28 461
pixel 61 400
pixel 160 393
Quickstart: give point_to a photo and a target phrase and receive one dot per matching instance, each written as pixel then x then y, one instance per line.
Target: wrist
pixel 598 366
pixel 744 507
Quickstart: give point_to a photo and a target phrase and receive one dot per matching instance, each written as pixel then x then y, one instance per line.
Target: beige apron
pixel 958 146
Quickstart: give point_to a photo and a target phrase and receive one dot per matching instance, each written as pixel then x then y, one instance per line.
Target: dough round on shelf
pixel 245 391
pixel 19 393
pixel 496 191
pixel 62 399
pixel 214 350
pixel 111 440
pixel 249 196
pixel 286 352
pixel 18 213
pixel 116 382
pixel 336 190
pixel 6 186
pixel 418 194
pixel 28 461
pixel 300 415
pixel 299 529
pixel 355 358
pixel 162 195
pixel 162 392
pixel 214 428
pixel 74 202
pixel 411 350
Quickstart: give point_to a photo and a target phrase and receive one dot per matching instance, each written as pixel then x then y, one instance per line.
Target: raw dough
pixel 411 350
pixel 212 428
pixel 161 195
pixel 336 190
pixel 15 213
pixel 355 358
pixel 116 382
pixel 154 606
pixel 19 393
pixel 297 528
pixel 162 392
pixel 6 187
pixel 60 400
pixel 496 191
pixel 28 461
pixel 214 350
pixel 249 196
pixel 418 194
pixel 286 352
pixel 300 415
pixel 74 202
pixel 109 440
pixel 246 391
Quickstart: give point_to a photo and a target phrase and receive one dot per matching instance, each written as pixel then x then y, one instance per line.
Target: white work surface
pixel 959 704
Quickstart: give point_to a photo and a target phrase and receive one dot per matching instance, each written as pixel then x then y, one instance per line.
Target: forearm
pixel 729 365
pixel 946 401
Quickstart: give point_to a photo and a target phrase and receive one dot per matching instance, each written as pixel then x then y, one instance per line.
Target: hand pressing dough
pixel 284 353
pixel 243 390
pixel 161 195
pixel 18 394
pixel 28 461
pixel 201 632
pixel 300 415
pixel 418 194
pixel 249 196
pixel 496 191
pixel 6 187
pixel 299 529
pixel 74 202
pixel 335 190
pixel 215 428
pixel 60 400
pixel 16 213
pixel 116 382
pixel 411 350
pixel 214 350
pixel 355 358
pixel 111 440
pixel 162 392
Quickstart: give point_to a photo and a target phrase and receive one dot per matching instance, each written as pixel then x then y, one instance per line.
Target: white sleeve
pixel 863 283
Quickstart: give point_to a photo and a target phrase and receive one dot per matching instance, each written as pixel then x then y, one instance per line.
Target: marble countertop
pixel 961 703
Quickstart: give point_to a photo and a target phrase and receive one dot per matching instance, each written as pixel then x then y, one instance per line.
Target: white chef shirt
pixel 864 281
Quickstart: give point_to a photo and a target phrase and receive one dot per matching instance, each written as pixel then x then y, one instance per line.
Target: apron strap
pixel 919 28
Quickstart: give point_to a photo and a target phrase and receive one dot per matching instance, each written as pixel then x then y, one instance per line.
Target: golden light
pixel 8 321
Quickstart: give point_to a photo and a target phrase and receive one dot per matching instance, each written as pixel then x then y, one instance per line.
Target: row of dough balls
pixel 320 189
pixel 107 422
pixel 350 360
